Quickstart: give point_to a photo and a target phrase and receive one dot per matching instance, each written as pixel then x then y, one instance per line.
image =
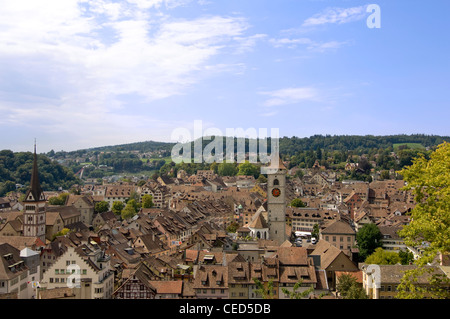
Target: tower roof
pixel 258 222
pixel 35 192
pixel 274 167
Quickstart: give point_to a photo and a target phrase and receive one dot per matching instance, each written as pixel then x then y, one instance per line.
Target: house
pixel 304 218
pixel 168 289
pixel 18 269
pixel 11 223
pixel 353 202
pixel 239 280
pixel 54 224
pixel 137 285
pixel 84 204
pixel 150 245
pixel 159 193
pixel 53 250
pixel 258 227
pixel 69 214
pixel 120 193
pixel 331 259
pixel 361 218
pixel 381 281
pixel 339 234
pixel 390 238
pixel 21 242
pixel 86 268
pixel 295 266
pixel 103 218
pixel 211 282
pixel 5 204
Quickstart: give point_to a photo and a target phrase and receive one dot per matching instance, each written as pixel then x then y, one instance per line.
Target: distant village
pixel 183 247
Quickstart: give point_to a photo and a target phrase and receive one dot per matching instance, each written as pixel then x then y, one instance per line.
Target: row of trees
pixel 16 168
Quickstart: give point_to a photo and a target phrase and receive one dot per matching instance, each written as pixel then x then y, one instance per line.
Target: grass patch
pixel 414 146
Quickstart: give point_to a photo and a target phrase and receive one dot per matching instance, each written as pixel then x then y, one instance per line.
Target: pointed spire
pixel 35 186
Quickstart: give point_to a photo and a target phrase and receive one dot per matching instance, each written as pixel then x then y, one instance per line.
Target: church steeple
pixel 35 192
pixel 35 212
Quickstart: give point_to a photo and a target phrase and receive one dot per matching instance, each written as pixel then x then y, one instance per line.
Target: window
pixel 276 182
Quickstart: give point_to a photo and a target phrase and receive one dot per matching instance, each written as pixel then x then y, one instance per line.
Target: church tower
pixel 276 201
pixel 34 214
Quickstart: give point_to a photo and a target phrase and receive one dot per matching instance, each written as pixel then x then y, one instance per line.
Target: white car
pixel 313 240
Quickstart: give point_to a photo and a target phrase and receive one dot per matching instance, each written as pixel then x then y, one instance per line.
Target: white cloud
pixel 69 63
pixel 336 15
pixel 290 96
pixel 307 43
pixel 291 43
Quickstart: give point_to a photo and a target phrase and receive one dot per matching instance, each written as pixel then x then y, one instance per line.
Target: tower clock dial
pixel 276 192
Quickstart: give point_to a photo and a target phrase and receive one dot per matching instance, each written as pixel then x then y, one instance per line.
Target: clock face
pixel 276 192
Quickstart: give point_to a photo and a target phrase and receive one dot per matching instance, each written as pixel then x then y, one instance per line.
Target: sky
pixel 77 74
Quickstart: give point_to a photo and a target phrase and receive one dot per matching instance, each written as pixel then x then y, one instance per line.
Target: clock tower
pixel 34 214
pixel 276 201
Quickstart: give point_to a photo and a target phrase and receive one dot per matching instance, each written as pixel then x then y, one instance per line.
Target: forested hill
pixel 15 168
pixel 292 145
pixel 147 146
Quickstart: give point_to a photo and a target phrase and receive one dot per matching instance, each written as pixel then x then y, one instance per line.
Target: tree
pixel 232 227
pixel 62 232
pixel 294 294
pixel 297 202
pixel 147 201
pixel 117 207
pixel 315 232
pixel 265 290
pixel 406 257
pixel 383 257
pixel 348 288
pixel 58 200
pixel 101 207
pixel 384 175
pixel 368 238
pixel 249 169
pixel 129 210
pixel 261 179
pixel 226 169
pixel 429 229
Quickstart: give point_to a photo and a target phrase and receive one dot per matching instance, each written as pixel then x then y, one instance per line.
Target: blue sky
pixel 77 74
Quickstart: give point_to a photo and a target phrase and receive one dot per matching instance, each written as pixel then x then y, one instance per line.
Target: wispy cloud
pixel 307 43
pixel 336 15
pixel 84 57
pixel 291 95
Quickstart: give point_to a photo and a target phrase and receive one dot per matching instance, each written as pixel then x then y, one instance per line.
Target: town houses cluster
pixel 205 236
